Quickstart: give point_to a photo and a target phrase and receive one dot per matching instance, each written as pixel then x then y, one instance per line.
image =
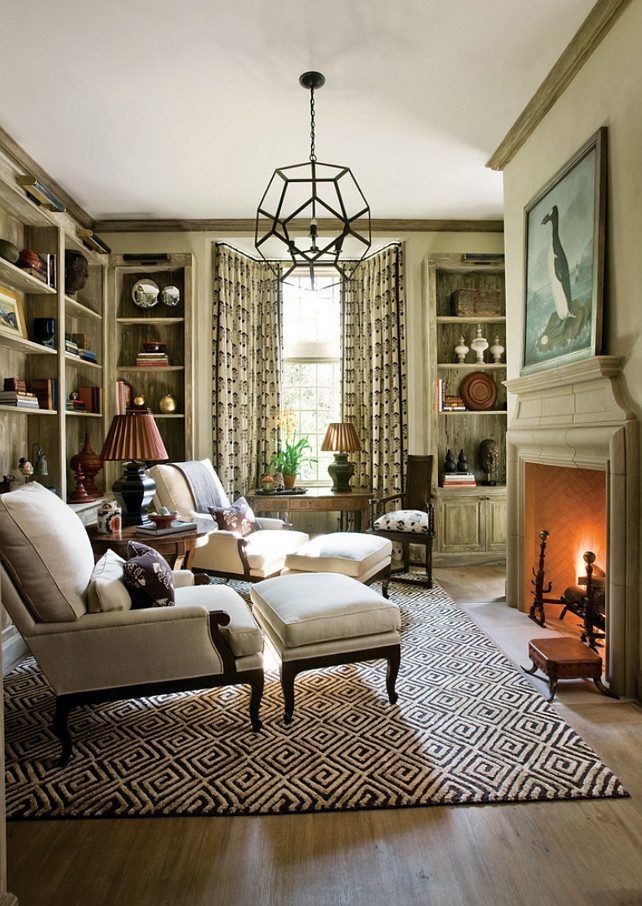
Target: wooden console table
pixel 178 548
pixel 315 500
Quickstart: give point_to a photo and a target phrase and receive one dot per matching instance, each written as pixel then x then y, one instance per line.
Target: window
pixel 312 367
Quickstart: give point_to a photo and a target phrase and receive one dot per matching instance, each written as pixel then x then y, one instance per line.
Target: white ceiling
pixel 183 108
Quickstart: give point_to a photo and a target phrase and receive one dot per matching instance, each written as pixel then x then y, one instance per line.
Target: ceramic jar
pixel 109 518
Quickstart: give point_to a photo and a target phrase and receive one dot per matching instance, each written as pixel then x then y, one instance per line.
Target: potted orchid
pixel 291 451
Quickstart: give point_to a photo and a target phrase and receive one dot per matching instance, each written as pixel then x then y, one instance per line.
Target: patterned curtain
pixel 247 313
pixel 375 385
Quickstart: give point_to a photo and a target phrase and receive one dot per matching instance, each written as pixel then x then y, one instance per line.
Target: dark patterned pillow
pixel 236 518
pixel 148 577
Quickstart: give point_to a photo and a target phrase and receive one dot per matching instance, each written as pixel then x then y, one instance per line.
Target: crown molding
pixel 595 27
pixel 247 226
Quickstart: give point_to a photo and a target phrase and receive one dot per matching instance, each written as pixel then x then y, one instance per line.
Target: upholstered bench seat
pixel 322 619
pixel 359 556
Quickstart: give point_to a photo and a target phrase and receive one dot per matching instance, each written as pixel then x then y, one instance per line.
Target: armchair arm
pixel 375 506
pixel 269 522
pixel 220 618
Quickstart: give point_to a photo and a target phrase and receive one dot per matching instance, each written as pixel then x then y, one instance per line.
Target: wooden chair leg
pixel 394 660
pixel 257 681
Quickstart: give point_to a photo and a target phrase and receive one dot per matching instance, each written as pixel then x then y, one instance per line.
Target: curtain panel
pixel 375 381
pixel 247 314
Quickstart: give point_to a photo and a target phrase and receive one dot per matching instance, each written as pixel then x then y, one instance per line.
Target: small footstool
pixel 360 556
pixel 323 619
pixel 565 658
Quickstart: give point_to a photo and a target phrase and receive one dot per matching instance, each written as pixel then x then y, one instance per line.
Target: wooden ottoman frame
pixel 291 629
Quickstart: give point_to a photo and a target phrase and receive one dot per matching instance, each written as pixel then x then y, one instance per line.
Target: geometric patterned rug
pixel 468 728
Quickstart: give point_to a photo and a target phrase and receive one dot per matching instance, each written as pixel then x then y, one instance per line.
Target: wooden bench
pixel 565 658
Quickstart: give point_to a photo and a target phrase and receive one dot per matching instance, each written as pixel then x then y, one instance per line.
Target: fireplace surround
pixel 576 417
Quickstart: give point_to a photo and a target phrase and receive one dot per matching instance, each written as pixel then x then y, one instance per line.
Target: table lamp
pixel 135 440
pixel 342 439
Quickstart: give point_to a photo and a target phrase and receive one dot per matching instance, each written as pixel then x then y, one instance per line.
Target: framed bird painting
pixel 565 242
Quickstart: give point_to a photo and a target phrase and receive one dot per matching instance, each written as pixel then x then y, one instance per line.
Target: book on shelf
pixel 92 398
pixel 19 398
pixel 46 391
pixel 75 406
pixel 87 355
pixel 12 383
pixel 123 397
pixel 458 480
pixel 150 529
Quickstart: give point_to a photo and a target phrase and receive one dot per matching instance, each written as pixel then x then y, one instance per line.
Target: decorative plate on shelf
pixel 478 391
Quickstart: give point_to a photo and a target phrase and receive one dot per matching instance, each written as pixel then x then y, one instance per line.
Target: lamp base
pixel 134 493
pixel 341 471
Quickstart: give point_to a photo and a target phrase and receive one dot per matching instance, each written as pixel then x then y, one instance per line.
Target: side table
pixel 177 547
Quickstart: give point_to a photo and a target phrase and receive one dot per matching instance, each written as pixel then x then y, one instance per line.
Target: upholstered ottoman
pixel 323 619
pixel 360 556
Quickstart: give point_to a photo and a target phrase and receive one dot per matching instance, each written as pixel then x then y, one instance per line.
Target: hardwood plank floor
pixel 538 854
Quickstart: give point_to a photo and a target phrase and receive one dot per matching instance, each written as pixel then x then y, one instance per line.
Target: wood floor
pixel 566 853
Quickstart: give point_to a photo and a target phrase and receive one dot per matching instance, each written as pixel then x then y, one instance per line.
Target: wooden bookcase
pixel 60 433
pixel 471 521
pixel 133 325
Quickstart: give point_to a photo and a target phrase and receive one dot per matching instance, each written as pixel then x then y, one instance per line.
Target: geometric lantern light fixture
pixel 296 199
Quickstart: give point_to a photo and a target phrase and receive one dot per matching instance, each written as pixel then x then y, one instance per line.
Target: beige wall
pixel 419 246
pixel 606 92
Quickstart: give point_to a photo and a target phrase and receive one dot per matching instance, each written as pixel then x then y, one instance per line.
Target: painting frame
pixel 12 319
pixel 564 256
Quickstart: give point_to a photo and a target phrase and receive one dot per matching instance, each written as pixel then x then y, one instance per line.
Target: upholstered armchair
pixel 412 520
pixel 91 642
pixel 190 489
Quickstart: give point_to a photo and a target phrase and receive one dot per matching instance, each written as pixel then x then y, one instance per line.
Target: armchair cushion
pixel 107 590
pixel 173 491
pixel 148 577
pixel 410 521
pixel 47 552
pixel 238 517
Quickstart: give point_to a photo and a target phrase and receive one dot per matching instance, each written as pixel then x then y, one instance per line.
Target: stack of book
pixel 71 347
pixel 151 358
pixel 75 405
pixel 446 402
pixel 19 398
pixel 453 404
pixel 458 480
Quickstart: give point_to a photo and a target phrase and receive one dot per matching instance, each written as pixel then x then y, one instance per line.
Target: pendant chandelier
pixel 316 214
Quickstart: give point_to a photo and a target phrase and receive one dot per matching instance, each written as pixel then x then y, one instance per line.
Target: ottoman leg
pixel 257 681
pixel 394 659
pixel 288 672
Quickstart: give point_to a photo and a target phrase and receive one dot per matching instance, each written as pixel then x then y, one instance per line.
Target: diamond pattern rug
pixel 468 728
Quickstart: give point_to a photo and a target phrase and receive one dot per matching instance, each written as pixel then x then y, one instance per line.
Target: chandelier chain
pixel 313 155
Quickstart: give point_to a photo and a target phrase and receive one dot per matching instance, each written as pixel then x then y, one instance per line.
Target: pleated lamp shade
pixel 342 439
pixel 134 439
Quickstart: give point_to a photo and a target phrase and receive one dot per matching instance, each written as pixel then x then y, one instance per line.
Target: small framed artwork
pixel 565 242
pixel 12 319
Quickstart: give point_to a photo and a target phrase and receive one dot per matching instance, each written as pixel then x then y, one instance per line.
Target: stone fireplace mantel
pixel 576 416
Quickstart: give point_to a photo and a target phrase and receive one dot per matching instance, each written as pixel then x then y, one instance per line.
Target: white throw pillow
pixel 107 590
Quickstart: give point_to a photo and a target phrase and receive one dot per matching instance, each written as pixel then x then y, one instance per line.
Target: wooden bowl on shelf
pixel 154 346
